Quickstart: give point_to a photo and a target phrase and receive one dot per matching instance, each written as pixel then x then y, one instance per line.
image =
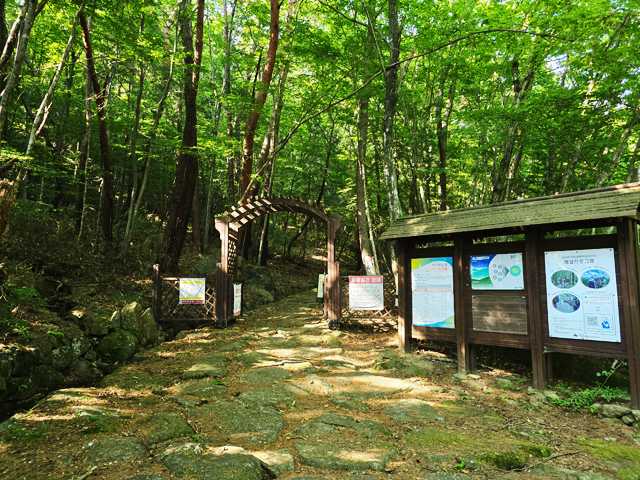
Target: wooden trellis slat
pixel 172 311
pixel 390 309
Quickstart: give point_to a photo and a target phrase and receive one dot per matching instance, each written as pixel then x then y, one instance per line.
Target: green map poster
pixel 497 272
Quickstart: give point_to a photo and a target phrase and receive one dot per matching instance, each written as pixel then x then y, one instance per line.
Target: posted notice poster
pixel 321 285
pixel 192 290
pixel 366 293
pixel 582 297
pixel 497 272
pixel 432 292
pixel 237 299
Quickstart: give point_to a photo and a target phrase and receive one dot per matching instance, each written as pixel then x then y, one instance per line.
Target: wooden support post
pixel 334 311
pixel 222 273
pixel 405 319
pixel 462 327
pixel 157 293
pixel 541 372
pixel 629 272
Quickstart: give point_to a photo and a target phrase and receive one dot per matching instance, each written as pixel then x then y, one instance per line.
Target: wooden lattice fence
pixel 390 309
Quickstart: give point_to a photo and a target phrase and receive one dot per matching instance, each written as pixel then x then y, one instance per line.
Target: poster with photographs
pixel 582 296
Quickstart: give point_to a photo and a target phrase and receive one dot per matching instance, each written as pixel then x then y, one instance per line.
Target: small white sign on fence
pixel 192 290
pixel 366 293
pixel 237 299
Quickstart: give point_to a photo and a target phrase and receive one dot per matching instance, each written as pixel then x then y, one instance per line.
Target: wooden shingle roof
pixel 604 203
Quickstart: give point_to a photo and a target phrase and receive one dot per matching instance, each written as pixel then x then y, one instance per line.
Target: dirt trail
pixel 278 394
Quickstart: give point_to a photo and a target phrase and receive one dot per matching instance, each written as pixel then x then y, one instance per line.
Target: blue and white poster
pixel 432 292
pixel 582 296
pixel 497 272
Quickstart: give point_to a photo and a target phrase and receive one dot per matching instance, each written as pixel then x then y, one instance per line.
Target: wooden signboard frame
pixel 537 339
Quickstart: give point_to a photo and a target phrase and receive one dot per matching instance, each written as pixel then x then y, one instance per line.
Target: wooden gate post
pixel 539 361
pixel 334 308
pixel 466 360
pixel 405 317
pixel 156 303
pixel 629 273
pixel 222 273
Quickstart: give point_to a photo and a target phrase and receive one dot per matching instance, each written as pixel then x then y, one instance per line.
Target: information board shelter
pixel 569 294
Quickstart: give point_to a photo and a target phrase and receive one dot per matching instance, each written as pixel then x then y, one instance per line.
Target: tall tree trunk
pixel 187 162
pixel 134 163
pixel 84 151
pixel 226 90
pixel 520 88
pixel 261 97
pixel 442 131
pixel 152 139
pixel 632 170
pixel 107 196
pixel 367 246
pixel 45 105
pixel 21 53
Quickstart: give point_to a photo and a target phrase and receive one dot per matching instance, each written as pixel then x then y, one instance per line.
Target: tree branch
pixel 352 20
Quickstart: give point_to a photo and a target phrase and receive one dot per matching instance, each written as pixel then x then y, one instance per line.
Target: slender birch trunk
pixel 45 105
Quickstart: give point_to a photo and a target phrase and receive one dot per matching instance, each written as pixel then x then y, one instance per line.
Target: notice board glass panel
pixel 582 296
pixel 432 292
pixel 505 314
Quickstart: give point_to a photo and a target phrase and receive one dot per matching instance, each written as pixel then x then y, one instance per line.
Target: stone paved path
pixel 278 395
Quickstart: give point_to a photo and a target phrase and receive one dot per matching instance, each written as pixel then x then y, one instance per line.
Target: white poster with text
pixel 237 299
pixel 432 292
pixel 366 293
pixel 582 296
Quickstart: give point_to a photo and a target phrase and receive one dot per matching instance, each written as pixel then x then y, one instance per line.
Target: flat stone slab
pixel 371 429
pixel 265 375
pixel 294 366
pixel 564 474
pixel 277 462
pixel 265 397
pixel 367 385
pixel 214 467
pixel 446 476
pixel 164 426
pixel 411 410
pixel 262 425
pixel 317 340
pixel 145 477
pixel 278 342
pixel 315 429
pixel 335 419
pixel 211 365
pixel 307 353
pixel 256 359
pixel 114 450
pixel 203 389
pixel 340 455
pixel 350 404
pixel 133 381
pixel 92 411
pixel 229 346
pixel 338 363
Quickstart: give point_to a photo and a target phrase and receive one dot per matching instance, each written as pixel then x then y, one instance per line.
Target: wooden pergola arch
pixel 229 228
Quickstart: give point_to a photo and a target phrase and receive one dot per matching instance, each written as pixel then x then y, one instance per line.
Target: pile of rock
pixel 618 414
pixel 71 353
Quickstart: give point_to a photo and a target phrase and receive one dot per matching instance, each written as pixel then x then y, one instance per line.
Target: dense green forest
pixel 123 113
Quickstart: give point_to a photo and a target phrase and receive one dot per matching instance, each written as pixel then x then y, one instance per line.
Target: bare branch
pixel 352 20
